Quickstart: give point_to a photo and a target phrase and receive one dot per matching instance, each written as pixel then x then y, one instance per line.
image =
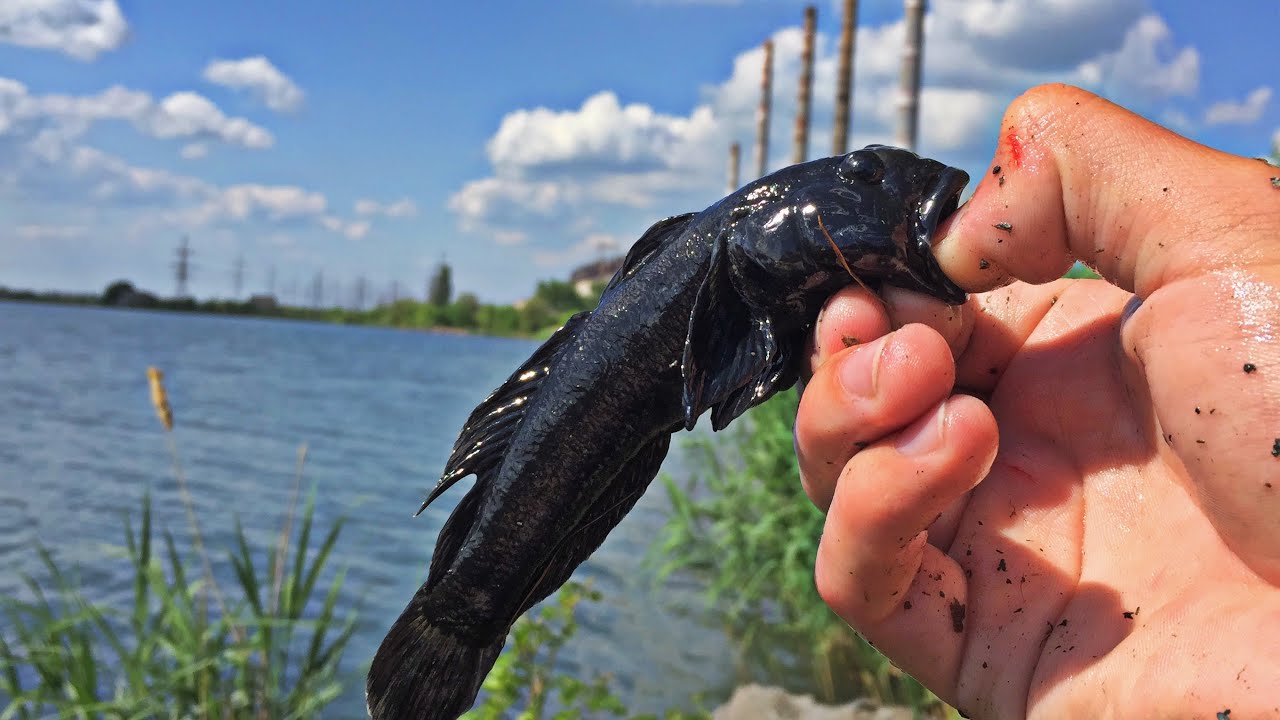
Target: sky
pixel 513 140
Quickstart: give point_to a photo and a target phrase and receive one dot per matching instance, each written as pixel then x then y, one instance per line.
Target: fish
pixel 710 311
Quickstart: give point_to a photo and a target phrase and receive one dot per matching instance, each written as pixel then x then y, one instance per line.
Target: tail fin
pixel 422 672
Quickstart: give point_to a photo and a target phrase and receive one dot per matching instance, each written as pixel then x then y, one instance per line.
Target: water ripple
pixel 378 411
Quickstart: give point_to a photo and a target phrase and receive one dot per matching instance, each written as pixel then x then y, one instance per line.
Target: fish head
pixel 872 212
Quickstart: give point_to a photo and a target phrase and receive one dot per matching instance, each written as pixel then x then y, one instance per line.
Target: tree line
pixel 552 302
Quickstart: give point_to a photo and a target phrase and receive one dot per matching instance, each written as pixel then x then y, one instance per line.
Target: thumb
pixel 1076 177
pixel 1195 234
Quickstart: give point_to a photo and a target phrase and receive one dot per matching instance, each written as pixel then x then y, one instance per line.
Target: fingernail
pixel 924 435
pixel 859 370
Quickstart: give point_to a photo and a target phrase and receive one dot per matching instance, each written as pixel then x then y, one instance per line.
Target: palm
pixel 1088 561
pixel 1103 535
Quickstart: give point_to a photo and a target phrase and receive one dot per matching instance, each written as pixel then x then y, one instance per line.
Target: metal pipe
pixel 844 79
pixel 735 151
pixel 804 101
pixel 762 115
pixel 912 59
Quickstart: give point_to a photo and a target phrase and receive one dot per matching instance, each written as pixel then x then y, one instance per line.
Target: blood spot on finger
pixel 1015 146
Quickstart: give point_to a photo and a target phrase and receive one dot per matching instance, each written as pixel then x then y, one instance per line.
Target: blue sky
pixel 516 139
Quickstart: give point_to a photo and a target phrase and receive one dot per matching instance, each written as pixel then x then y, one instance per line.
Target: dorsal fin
pixel 482 444
pixel 653 238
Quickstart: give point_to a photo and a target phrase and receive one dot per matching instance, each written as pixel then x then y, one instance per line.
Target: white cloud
pixel 352 230
pixel 182 115
pixel 107 178
pixel 260 78
pixel 50 232
pixel 49 166
pixel 952 118
pixel 602 133
pixel 591 246
pixel 1177 120
pixel 356 230
pixel 186 114
pixel 604 242
pixel 553 169
pixel 401 208
pixel 194 151
pixel 510 237
pixel 550 166
pixel 1040 34
pixel 1146 67
pixel 82 29
pixel 277 201
pixel 1239 113
pixel 510 202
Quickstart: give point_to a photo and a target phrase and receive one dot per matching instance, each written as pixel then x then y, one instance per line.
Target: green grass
pixel 274 655
pixel 743 525
pixel 1080 271
pixel 184 647
pixel 523 683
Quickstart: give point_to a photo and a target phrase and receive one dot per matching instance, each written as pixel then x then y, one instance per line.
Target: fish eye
pixel 862 165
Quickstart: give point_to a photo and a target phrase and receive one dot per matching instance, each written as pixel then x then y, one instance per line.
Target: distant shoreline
pixel 464 316
pixel 440 329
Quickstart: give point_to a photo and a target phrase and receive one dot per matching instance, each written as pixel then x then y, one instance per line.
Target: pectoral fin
pixel 732 357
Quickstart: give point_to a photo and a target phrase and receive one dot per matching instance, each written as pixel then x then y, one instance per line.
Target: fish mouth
pixel 936 207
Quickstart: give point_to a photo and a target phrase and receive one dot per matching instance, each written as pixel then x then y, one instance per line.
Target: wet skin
pixel 1086 467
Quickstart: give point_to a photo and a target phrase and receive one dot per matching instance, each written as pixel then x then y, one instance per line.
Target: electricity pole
pixel 361 288
pixel 182 268
pixel 238 276
pixel 317 289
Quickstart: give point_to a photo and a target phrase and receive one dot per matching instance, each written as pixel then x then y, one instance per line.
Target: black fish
pixel 710 310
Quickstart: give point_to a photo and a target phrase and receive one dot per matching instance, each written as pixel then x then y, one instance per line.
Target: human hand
pixel 1120 554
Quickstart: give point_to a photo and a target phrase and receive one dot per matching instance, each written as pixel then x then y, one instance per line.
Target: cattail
pixel 159 398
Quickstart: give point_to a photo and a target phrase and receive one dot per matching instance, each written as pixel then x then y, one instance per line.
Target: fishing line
pixel 840 256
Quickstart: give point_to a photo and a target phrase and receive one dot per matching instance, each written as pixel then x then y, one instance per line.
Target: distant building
pixel 264 303
pixel 585 276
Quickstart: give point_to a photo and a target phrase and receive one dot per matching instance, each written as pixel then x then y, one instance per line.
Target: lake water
pixel 378 409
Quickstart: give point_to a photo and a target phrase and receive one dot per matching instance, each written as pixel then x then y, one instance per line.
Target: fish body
pixel 710 311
